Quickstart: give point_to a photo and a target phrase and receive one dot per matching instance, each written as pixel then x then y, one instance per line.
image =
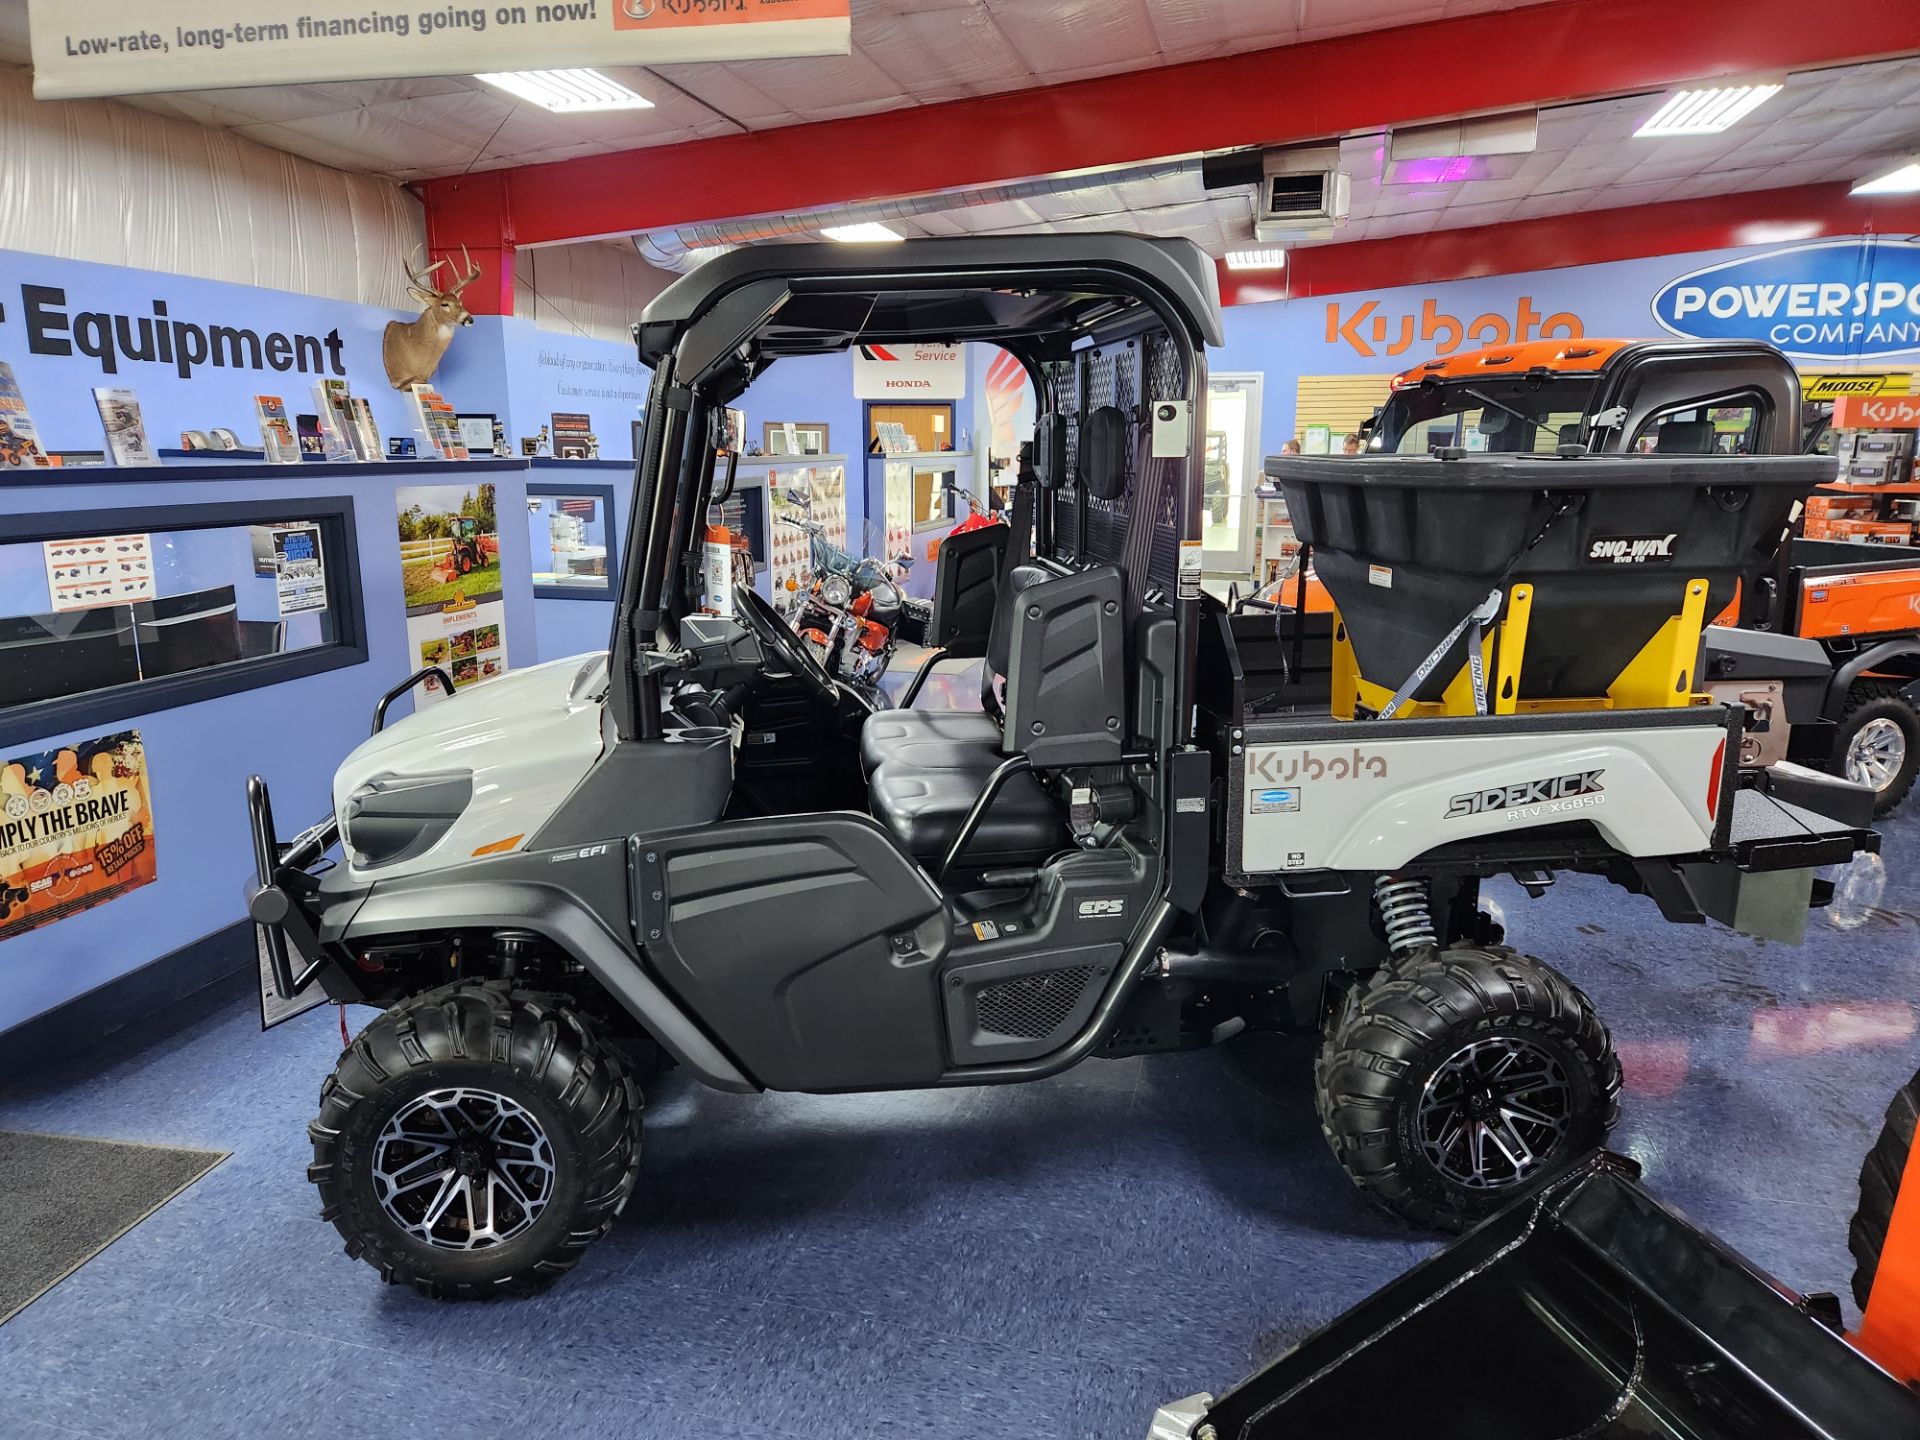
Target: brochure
pixel 19 441
pixel 126 432
pixel 334 442
pixel 276 434
pixel 438 426
pixel 366 434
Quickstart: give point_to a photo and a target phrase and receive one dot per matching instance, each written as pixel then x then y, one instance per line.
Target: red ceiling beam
pixel 1589 237
pixel 1568 49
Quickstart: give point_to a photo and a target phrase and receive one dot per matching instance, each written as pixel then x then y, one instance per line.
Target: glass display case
pixel 910 491
pixel 572 538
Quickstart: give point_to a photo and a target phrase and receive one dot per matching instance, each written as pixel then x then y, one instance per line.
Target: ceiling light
pixel 1269 258
pixel 871 233
pixel 568 92
pixel 1903 179
pixel 1706 109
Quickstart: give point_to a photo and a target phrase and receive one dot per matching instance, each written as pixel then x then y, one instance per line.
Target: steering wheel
pixel 774 634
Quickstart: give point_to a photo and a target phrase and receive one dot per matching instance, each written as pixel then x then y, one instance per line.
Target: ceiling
pixel 1825 125
pixel 905 52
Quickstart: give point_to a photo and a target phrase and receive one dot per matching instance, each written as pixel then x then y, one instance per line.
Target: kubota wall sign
pixel 1372 330
pixel 1830 300
pixel 1877 412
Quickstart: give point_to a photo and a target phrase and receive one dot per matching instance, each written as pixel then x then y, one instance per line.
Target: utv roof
pixel 1050 288
pixel 1567 357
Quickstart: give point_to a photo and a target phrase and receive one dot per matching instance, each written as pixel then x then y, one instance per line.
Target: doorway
pixel 1230 443
pixel 928 425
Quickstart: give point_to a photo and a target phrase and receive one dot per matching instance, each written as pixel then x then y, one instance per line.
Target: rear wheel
pixel 474 1141
pixel 1880 1178
pixel 1877 743
pixel 1454 1082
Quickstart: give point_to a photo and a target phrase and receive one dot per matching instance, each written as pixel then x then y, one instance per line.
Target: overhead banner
pixel 76 830
pixel 108 47
pixel 908 372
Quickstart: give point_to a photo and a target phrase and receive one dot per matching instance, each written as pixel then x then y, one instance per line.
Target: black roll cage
pixel 709 335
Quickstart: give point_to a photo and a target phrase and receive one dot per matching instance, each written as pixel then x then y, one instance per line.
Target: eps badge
pixel 1101 909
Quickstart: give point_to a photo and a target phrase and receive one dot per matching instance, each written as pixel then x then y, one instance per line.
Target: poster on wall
pixel 83 47
pixel 450 572
pixel 893 372
pixel 300 569
pixel 76 830
pixel 98 570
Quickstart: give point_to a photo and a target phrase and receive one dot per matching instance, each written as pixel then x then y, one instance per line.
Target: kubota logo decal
pixel 1367 326
pixel 1270 766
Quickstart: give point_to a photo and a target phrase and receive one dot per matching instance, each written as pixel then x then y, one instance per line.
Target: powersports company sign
pixel 110 47
pixel 1832 300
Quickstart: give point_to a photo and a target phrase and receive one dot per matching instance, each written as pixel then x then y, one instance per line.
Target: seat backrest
pixel 1685 437
pixel 1066 696
pixel 966 585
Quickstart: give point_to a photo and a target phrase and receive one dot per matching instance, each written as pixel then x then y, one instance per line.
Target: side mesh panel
pixel 1033 1006
pixel 1137 531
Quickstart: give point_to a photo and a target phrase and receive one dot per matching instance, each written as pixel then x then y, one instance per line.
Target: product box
pixel 1882 532
pixel 1838 507
pixel 1868 444
pixel 1878 470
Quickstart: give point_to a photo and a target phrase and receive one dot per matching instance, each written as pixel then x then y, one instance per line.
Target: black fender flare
pixel 1866 660
pixel 553 912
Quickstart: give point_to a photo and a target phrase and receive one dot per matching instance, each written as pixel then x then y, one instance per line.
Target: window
pixel 795 438
pixel 146 609
pixel 1506 414
pixel 1731 425
pixel 571 535
pixel 926 427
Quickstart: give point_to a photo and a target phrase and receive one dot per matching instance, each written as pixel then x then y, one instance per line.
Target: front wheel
pixel 474 1141
pixel 1453 1083
pixel 1877 743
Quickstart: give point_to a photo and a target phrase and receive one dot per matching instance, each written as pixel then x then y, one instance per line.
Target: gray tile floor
pixel 1048 1260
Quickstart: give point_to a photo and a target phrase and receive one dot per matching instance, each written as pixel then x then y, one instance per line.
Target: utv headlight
pixel 396 817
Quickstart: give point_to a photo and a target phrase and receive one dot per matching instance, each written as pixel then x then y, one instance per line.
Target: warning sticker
pixel 985 930
pixel 1191 560
pixel 1381 575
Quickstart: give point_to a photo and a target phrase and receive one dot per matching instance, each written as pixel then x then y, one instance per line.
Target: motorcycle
pixel 846 608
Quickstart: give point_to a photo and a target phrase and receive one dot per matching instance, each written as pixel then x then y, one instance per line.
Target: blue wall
pixel 199 756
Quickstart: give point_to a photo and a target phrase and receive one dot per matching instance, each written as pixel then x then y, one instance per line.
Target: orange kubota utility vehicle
pixel 1844 700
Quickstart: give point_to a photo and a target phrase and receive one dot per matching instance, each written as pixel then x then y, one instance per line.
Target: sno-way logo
pixel 1832 299
pixel 1631 549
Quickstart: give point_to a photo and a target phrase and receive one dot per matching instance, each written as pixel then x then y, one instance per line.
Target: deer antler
pixel 422 279
pixel 473 273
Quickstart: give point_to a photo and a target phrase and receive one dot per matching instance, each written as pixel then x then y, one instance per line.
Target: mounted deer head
pixel 413 350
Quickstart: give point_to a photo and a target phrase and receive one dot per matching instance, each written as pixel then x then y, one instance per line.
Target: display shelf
pixel 172 472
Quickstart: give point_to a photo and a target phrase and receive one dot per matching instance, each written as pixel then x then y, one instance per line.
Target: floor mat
pixel 64 1199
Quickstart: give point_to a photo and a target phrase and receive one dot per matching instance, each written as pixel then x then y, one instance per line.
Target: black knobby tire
pixel 1879 700
pixel 1880 1179
pixel 549 1063
pixel 1432 1018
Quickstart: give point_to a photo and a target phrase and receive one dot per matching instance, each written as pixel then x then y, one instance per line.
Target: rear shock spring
pixel 1406 913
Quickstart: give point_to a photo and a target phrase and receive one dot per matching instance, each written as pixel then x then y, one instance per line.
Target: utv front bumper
pixel 282 892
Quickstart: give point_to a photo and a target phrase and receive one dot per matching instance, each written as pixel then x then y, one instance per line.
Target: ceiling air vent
pixel 1301 193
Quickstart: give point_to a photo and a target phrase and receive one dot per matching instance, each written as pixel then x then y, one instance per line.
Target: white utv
pixel 1166 823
